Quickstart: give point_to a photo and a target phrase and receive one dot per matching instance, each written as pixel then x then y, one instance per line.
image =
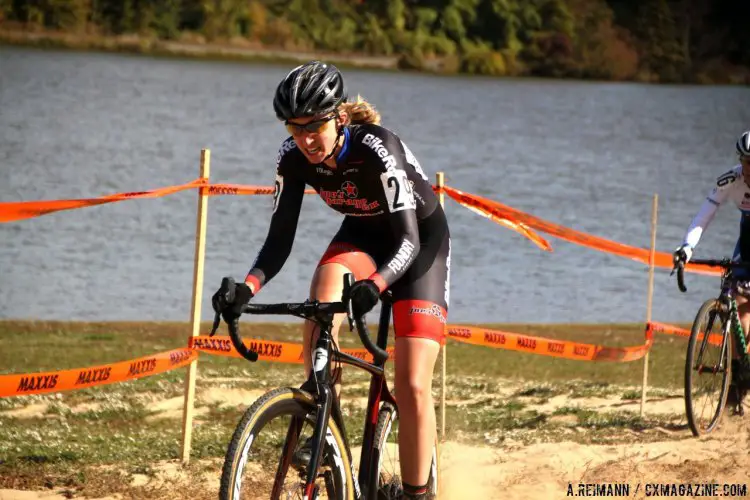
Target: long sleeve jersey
pixel 729 186
pixel 377 179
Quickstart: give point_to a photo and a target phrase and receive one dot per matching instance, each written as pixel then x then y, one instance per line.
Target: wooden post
pixel 650 295
pixel 195 311
pixel 443 353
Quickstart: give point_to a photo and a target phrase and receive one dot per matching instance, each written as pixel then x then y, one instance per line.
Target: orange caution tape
pixel 482 207
pixel 504 212
pixel 79 378
pixel 504 215
pixel 664 328
pixel 241 189
pixel 268 350
pixel 548 347
pixel 19 210
pixel 285 352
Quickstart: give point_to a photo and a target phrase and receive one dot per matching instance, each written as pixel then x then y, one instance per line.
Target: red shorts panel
pixel 419 318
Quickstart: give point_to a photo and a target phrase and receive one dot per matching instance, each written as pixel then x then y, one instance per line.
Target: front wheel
pixel 386 456
pixel 258 463
pixel 708 368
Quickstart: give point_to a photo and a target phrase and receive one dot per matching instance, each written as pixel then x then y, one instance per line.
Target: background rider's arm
pixel 705 215
pixel 287 202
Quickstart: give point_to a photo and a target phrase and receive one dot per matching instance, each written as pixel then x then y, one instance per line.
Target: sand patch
pixel 34 410
pixel 229 397
pixel 43 495
pixel 171 408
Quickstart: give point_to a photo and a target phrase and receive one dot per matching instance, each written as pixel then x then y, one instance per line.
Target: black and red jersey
pixel 377 183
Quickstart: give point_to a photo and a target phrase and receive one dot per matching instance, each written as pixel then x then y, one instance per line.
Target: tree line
pixel 647 40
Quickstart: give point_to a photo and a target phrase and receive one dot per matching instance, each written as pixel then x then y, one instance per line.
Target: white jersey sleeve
pixel 725 185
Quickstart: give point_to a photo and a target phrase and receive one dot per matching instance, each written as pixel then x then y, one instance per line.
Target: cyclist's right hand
pixel 230 297
pixel 682 255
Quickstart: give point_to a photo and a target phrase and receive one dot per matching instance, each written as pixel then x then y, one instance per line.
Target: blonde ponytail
pixel 360 112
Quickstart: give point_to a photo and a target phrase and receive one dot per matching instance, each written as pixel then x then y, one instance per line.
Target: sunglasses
pixel 745 160
pixel 310 128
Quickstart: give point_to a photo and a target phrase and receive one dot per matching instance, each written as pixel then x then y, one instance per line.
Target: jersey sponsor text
pixel 402 257
pixel 376 144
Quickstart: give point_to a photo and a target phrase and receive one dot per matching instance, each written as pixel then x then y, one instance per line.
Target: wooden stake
pixel 195 311
pixel 443 352
pixel 650 296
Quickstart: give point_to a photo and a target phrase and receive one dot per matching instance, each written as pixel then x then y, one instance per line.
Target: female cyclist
pixel 394 236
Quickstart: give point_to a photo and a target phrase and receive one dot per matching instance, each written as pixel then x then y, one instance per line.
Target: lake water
pixel 587 155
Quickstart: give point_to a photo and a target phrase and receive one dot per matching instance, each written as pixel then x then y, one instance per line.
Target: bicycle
pixel 704 338
pixel 268 434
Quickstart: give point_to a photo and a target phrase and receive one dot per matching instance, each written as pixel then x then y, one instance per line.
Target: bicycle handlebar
pixel 723 263
pixel 379 355
pixel 680 267
pixel 308 310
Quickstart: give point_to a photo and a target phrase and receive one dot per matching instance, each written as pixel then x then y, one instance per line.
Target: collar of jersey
pixel 345 148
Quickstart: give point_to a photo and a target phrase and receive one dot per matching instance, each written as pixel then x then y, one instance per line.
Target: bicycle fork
pixel 322 378
pixel 719 366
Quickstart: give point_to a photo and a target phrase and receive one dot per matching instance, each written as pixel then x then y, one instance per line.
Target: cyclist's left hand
pixel 229 302
pixel 364 296
pixel 682 255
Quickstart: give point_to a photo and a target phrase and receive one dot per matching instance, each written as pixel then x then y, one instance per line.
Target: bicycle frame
pixel 320 384
pixel 728 305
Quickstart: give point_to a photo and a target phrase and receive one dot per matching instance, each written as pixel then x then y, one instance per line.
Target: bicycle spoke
pixel 290 445
pixel 390 464
pixel 707 365
pixel 263 460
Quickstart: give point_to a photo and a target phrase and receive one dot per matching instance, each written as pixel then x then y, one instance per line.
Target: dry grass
pixel 125 438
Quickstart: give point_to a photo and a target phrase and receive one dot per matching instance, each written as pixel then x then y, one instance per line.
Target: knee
pixel 413 391
pixel 328 282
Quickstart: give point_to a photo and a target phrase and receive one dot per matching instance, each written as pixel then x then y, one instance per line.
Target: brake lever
pixel 350 315
pixel 676 266
pixel 217 322
pixel 346 298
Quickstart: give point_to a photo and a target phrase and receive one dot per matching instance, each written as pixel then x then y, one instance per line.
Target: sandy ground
pixel 543 471
pixel 546 470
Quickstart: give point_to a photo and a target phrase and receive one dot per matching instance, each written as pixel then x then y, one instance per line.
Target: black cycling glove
pixel 364 296
pixel 228 301
pixel 682 255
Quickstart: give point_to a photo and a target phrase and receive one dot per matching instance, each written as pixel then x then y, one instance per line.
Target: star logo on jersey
pixel 350 189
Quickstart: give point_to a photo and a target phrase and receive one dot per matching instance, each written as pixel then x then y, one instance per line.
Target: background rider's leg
pixel 743 307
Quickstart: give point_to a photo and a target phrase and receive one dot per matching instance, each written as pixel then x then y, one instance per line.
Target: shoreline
pixel 134 44
pixel 246 51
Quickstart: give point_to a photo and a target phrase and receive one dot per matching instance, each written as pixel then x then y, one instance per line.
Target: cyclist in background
pixel 733 185
pixel 394 236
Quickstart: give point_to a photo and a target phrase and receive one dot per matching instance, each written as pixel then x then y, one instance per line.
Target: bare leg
pixel 743 308
pixel 327 286
pixel 415 361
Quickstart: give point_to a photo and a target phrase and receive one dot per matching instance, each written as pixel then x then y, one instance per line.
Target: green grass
pixel 91 441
